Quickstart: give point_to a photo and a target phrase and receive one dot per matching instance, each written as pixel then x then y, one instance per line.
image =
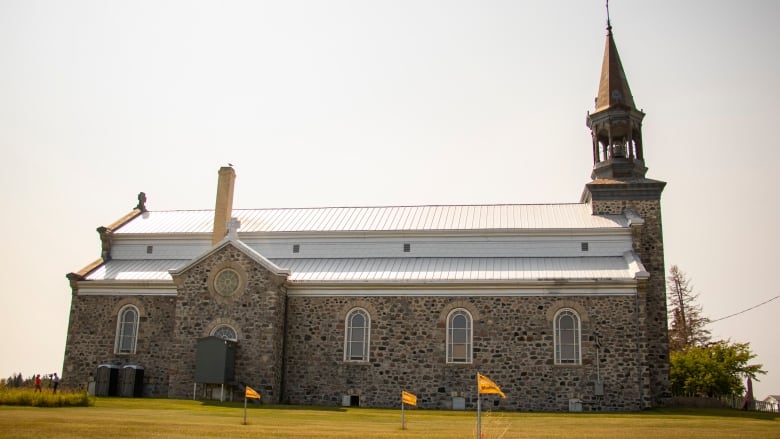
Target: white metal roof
pixel 403 269
pixel 139 270
pixel 392 218
pixel 455 269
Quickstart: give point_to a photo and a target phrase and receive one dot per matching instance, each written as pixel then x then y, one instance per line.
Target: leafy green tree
pixel 715 369
pixel 687 324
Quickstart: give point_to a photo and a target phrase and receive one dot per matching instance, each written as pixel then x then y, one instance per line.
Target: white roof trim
pixel 468 292
pixel 137 284
pixel 635 265
pixel 460 270
pixel 126 292
pixel 228 240
pixel 397 272
pixel 632 218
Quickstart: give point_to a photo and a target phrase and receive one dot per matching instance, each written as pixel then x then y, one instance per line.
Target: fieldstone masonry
pixel 643 196
pixel 513 344
pixel 256 310
pixel 91 337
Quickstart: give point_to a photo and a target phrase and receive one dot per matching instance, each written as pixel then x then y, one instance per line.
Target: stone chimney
pixel 224 206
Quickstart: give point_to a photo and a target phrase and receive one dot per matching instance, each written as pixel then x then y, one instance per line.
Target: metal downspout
pixel 638 351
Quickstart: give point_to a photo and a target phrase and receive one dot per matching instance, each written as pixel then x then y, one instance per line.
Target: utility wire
pixel 745 310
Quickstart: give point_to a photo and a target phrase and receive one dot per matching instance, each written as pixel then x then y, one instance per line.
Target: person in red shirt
pixel 38 383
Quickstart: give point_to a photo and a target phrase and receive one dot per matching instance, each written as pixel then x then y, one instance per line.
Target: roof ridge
pixel 386 206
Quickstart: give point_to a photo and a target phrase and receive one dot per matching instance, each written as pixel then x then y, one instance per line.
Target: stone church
pixel 562 305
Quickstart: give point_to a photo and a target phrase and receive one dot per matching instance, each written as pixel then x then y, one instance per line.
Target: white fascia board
pixel 126 288
pixel 466 292
pixel 196 238
pixel 249 251
pixel 571 232
pixel 633 219
pixel 260 259
pixel 528 284
pixel 635 265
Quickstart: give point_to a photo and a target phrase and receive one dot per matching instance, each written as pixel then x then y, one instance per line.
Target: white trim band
pixel 312 292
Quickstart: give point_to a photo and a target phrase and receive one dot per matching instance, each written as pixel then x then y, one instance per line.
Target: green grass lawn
pixel 163 418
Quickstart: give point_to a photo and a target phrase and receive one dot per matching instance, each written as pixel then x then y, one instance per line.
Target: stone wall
pixel 92 334
pixel 292 349
pixel 649 246
pixel 256 312
pixel 513 345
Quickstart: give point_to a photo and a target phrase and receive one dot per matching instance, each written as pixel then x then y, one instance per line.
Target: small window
pixel 358 327
pixel 584 246
pixel 407 247
pixel 459 338
pixel 126 330
pixel 149 249
pixel 296 248
pixel 567 337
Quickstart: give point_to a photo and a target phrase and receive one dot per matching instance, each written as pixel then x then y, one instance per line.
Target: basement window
pixel 407 247
pixel 584 246
pixel 296 248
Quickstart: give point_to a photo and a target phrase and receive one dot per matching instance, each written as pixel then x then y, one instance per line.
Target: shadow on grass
pixel 719 413
pixel 257 405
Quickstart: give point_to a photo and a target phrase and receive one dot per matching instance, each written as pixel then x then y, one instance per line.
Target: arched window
pixel 226 332
pixel 567 337
pixel 358 327
pixel 459 336
pixel 126 330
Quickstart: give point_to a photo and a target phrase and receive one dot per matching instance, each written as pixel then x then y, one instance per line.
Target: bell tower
pixel 616 124
pixel 619 171
pixel 619 186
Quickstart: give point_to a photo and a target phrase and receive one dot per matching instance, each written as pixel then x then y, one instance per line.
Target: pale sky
pixel 341 103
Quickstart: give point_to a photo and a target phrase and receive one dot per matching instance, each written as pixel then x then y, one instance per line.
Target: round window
pixel 226 282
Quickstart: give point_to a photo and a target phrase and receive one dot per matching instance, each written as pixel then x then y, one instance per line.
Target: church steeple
pixel 616 124
pixel 619 187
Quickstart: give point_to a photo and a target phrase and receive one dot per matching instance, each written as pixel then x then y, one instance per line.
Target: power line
pixel 745 310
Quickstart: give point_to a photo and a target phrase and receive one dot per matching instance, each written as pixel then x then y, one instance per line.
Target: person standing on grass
pixel 37 383
pixel 55 382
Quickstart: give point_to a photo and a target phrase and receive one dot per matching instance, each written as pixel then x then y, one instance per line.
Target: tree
pixel 716 369
pixel 687 325
pixel 15 380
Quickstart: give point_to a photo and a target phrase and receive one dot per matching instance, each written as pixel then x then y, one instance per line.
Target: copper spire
pixel 616 125
pixel 613 86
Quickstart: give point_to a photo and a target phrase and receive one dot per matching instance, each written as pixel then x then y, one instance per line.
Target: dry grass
pixel 162 418
pixel 28 397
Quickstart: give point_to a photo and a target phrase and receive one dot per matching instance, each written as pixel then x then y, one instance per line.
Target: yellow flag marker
pixel 251 393
pixel 486 385
pixel 408 398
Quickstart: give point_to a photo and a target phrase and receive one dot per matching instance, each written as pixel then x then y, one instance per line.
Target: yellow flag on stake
pixel 408 398
pixel 251 394
pixel 486 385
